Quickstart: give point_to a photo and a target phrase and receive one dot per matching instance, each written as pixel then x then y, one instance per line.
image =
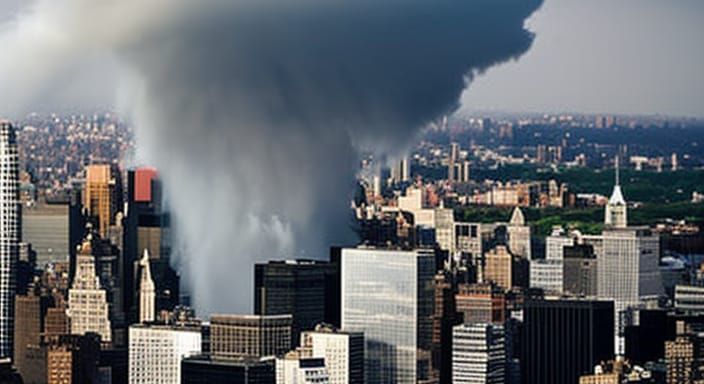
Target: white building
pixel 689 299
pixel 445 228
pixel 147 294
pixel 616 213
pixel 547 275
pixel 88 309
pixel 627 271
pixel 155 352
pixel 10 228
pixel 296 369
pixel 518 235
pixel 343 353
pixel 478 354
pixel 388 295
pixel 555 244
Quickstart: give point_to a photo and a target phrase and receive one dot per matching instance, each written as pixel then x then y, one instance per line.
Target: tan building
pixel 604 378
pixel 242 336
pixel 98 195
pixel 679 356
pixel 518 235
pixel 73 359
pixel 56 321
pixel 87 301
pixel 498 267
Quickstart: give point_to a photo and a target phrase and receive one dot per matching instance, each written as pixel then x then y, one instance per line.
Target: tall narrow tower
pixel 616 209
pixel 146 290
pixel 9 233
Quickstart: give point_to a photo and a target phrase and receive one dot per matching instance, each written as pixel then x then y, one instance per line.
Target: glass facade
pixel 388 295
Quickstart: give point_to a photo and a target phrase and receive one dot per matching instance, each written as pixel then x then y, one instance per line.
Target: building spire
pixel 146 290
pixel 618 182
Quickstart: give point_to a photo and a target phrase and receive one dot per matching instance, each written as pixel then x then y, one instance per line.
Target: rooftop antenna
pixel 617 170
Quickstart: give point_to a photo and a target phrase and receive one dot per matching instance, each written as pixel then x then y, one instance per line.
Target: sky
pixel 603 56
pixel 595 56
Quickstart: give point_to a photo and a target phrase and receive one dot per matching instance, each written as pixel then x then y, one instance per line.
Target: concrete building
pixel 556 243
pixel 445 229
pixel 468 238
pixel 296 369
pixel 547 275
pixel 10 232
pixel 249 336
pixel 88 309
pixel 342 351
pixel 29 352
pixel 498 267
pixel 388 295
pixel 156 351
pixel 478 354
pixel 689 299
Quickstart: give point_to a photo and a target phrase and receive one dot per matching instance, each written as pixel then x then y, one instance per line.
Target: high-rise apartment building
pixel 343 353
pixel 468 238
pixel 156 351
pixel 564 339
pixel 680 359
pixel 304 289
pixel 249 336
pixel 478 354
pixel 10 228
pixel 498 267
pixel 627 271
pixel 547 275
pixel 388 295
pixel 88 309
pixel 29 353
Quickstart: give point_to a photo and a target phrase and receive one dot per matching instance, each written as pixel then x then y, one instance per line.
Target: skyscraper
pixel 388 295
pixel 301 288
pixel 616 213
pixel 87 301
pixel 99 196
pixel 146 290
pixel 478 354
pixel 9 233
pixel 563 339
pixel 627 271
pixel 203 370
pixel 73 359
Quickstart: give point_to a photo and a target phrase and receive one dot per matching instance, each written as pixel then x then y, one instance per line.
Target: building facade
pixel 478 354
pixel 551 331
pixel 249 336
pixel 343 353
pixel 388 295
pixel 88 309
pixel 155 352
pixel 10 227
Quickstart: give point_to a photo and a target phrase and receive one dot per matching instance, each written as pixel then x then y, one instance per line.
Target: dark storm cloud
pixel 254 111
